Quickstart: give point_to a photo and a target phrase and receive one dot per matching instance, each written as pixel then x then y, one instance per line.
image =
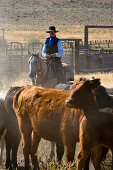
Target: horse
pixel 42 73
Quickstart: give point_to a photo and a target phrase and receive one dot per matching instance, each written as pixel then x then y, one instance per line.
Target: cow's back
pixel 46 110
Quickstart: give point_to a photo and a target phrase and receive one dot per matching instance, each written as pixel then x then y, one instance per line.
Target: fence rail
pixel 101 44
pixel 98 59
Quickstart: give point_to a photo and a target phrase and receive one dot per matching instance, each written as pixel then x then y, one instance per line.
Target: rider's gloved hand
pixel 53 55
pixel 47 56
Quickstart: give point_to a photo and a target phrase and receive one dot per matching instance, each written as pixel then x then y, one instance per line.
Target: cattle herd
pixel 69 113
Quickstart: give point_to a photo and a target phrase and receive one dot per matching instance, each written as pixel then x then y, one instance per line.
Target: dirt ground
pixel 43 155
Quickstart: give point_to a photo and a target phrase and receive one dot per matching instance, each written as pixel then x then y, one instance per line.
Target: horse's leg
pixel 26 130
pixel 59 150
pixel 35 140
pixel 52 152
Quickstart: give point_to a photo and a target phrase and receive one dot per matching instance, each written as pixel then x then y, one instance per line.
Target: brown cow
pixel 96 128
pixel 42 113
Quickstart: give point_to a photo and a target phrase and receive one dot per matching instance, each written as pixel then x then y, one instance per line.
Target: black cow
pixel 13 136
pixel 102 97
pixel 3 122
pixel 3 116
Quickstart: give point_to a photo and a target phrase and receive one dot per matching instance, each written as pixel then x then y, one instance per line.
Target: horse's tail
pixel 15 100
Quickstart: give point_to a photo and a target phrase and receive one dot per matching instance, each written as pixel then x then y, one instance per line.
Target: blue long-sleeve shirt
pixel 60 49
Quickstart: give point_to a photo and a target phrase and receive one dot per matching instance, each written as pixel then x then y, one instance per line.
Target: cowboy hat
pixel 51 28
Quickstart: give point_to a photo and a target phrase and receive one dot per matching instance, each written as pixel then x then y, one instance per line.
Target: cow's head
pixel 81 92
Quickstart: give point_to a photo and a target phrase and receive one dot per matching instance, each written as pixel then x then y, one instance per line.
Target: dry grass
pixel 75 31
pixel 25 19
pixel 56 12
pixel 23 79
pixel 106 78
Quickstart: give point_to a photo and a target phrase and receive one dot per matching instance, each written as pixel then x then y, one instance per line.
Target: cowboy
pixel 53 50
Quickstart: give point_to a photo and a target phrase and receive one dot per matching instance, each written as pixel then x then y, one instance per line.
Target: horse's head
pixel 33 64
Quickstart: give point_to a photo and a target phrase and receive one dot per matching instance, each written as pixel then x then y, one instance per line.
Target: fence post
pixel 76 56
pixel 100 60
pixel 88 60
pixel 72 48
pixel 108 43
pixel 86 37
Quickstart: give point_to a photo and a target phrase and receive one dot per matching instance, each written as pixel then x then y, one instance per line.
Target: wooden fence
pixel 101 44
pixel 13 57
pixel 96 60
pixel 19 49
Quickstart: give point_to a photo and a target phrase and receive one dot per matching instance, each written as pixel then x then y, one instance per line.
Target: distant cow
pixel 13 136
pixel 96 129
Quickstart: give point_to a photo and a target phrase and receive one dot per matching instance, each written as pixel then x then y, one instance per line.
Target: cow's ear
pixel 29 52
pixel 95 83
